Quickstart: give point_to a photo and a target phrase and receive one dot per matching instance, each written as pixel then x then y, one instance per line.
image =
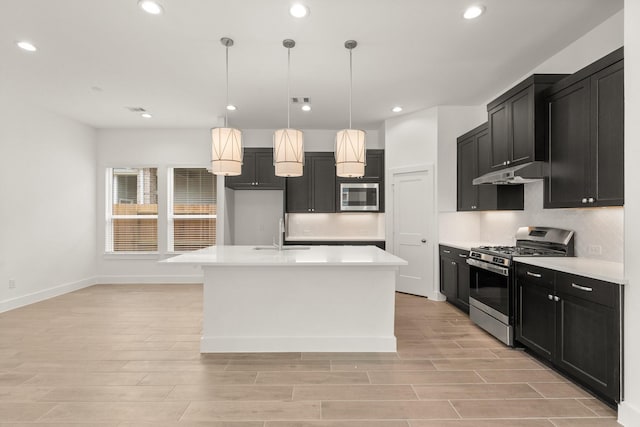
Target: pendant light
pixel 350 148
pixel 288 144
pixel 226 142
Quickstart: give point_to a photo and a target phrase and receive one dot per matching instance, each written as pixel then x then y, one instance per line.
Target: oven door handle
pixel 489 267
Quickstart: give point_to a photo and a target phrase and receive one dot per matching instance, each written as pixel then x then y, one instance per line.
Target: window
pixel 132 210
pixel 192 209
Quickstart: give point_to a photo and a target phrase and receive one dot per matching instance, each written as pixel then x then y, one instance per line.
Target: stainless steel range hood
pixel 528 172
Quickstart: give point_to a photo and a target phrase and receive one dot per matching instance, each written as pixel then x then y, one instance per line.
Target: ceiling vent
pixel 299 99
pixel 136 109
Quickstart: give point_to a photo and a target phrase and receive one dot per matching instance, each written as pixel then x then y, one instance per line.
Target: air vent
pixel 298 99
pixel 136 109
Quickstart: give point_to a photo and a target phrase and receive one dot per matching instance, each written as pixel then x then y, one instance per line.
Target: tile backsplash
pixel 599 232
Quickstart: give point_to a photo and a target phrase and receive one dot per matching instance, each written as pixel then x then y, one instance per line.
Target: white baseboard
pixel 212 344
pixel 628 415
pixel 146 279
pixel 21 301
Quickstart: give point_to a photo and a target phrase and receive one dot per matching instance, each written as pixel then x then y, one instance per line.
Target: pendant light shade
pixel 226 142
pixel 350 153
pixel 288 144
pixel 350 148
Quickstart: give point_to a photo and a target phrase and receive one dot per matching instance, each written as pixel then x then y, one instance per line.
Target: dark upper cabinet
pixel 374 169
pixel 315 191
pixel 373 172
pixel 586 137
pixel 258 172
pixel 455 276
pixel 574 322
pixel 517 123
pixel 473 161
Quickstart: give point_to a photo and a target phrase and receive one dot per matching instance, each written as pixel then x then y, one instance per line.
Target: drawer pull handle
pixel 538 275
pixel 462 255
pixel 446 252
pixel 582 288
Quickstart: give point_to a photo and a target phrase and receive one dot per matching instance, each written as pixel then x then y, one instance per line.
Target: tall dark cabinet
pixel 315 190
pixel 474 148
pixel 586 137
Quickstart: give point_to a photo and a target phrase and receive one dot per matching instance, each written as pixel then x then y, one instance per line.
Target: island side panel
pixel 299 309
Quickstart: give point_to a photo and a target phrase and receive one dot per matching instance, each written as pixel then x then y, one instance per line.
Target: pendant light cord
pixel 226 110
pixel 288 87
pixel 350 83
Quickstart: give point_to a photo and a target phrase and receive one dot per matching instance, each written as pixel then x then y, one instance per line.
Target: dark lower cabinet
pixel 455 276
pixel 575 323
pixel 586 137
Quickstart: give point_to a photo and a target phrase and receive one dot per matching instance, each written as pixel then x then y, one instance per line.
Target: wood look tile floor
pixel 128 355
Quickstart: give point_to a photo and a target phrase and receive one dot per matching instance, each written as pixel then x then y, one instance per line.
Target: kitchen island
pixel 297 299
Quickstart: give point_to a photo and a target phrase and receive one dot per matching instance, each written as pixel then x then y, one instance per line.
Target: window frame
pixel 170 205
pixel 108 246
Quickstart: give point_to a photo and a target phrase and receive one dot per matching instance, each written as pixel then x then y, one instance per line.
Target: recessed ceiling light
pixel 150 6
pixel 306 107
pixel 299 10
pixel 231 107
pixel 25 45
pixel 473 12
pixel 396 109
pixel 146 115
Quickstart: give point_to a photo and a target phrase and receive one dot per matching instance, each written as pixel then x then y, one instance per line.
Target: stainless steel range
pixel 492 287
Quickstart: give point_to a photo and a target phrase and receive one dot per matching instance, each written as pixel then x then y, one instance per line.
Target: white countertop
pixel 465 245
pixel 314 256
pixel 594 268
pixel 333 238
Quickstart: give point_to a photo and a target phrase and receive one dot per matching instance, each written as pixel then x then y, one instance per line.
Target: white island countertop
pixel 270 256
pixel 607 271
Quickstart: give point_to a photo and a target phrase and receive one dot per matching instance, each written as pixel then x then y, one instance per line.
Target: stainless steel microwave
pixel 359 197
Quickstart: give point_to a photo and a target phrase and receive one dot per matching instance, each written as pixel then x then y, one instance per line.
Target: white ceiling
pixel 415 53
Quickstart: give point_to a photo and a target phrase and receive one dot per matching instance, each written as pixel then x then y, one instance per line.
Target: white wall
pixel 256 217
pixel 629 411
pixel 314 139
pixel 161 148
pixel 47 208
pixel 599 227
pixel 453 121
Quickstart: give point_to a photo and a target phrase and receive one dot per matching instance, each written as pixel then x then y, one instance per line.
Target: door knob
pixel 424 240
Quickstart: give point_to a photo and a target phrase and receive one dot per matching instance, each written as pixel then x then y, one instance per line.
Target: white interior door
pixel 413 215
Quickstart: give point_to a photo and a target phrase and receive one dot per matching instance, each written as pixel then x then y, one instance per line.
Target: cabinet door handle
pixel 582 288
pixel 550 297
pixel 504 163
pixel 538 275
pixel 453 263
pixel 591 200
pixel 446 251
pixel 462 255
pixel 556 298
pixel 584 200
pixel 508 162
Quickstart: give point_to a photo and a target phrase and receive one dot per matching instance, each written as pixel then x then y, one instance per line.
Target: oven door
pixel 491 286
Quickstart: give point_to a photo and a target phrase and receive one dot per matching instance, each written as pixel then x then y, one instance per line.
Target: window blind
pixel 192 209
pixel 132 210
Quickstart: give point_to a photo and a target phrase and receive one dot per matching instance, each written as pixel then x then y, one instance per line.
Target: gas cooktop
pixel 519 251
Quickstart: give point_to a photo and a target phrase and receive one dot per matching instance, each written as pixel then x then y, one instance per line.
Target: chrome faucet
pixel 280 244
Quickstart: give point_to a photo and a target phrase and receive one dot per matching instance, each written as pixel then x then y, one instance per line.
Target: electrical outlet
pixel 595 250
pixel 12 284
